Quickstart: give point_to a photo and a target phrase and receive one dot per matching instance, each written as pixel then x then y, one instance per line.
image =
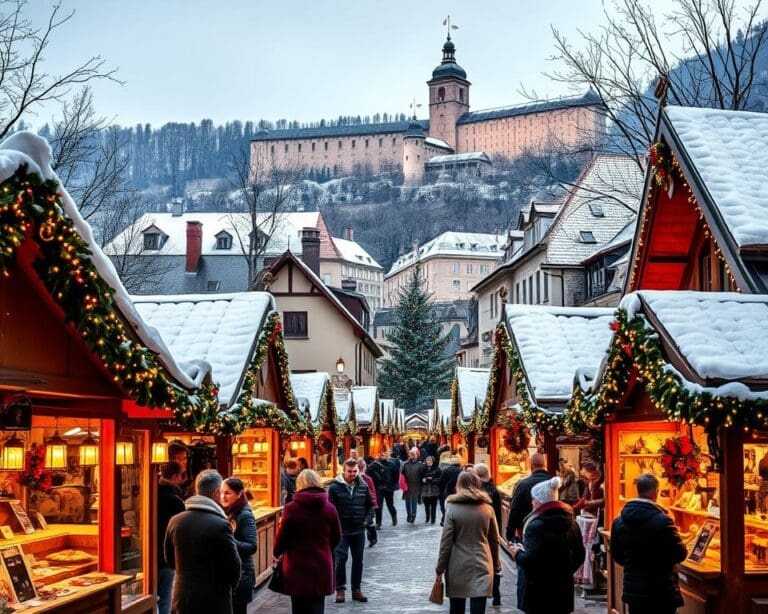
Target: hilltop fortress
pixel 453 136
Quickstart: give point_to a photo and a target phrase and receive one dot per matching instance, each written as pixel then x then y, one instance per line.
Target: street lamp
pixel 340 365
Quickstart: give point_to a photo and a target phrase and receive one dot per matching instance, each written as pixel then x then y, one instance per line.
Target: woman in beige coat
pixel 469 547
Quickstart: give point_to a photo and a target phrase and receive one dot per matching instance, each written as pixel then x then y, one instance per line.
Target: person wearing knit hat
pixel 552 550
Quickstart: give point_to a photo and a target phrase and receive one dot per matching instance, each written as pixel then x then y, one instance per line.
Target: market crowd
pixel 209 537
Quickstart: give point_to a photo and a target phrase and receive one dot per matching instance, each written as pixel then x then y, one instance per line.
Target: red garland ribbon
pixel 517 436
pixel 680 460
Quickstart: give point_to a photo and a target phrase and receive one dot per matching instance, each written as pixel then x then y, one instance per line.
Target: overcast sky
pixel 186 60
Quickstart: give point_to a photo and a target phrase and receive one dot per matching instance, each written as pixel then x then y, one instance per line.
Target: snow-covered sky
pixel 185 60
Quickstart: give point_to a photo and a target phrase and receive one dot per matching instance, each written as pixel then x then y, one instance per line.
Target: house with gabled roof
pixel 703 224
pixel 319 325
pixel 548 269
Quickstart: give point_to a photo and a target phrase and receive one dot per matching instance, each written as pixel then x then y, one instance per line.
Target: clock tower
pixel 448 96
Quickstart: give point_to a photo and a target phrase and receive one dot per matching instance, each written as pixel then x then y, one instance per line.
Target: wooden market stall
pixel 239 336
pixel 314 394
pixel 672 391
pixel 537 351
pixel 369 432
pixel 439 419
pixel 468 392
pixel 75 497
pixel 389 422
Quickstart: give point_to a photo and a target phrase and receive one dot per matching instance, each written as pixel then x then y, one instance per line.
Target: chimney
pixel 310 249
pixel 194 246
pixel 349 284
pixel 415 248
pixel 177 207
pixel 349 233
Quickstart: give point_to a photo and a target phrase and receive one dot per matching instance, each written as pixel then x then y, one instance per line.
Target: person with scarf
pixel 469 546
pixel 240 516
pixel 200 546
pixel 551 551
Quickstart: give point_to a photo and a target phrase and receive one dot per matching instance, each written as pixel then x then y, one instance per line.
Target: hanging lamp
pixel 159 450
pixel 56 450
pixel 13 454
pixel 89 450
pixel 125 450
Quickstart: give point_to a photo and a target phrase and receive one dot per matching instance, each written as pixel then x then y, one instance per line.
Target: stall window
pixel 133 482
pixel 251 462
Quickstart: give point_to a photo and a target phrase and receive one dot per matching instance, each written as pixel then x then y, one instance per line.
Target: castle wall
pixel 337 155
pixel 512 136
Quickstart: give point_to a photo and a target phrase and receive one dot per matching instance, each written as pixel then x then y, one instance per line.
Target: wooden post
pixel 732 518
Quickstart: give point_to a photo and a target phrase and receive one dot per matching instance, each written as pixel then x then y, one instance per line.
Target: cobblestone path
pixel 398 576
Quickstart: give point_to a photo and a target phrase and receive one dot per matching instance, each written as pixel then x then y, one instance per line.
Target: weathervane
pixel 449 26
pixel 414 106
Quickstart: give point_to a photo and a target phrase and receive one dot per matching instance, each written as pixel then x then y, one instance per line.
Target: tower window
pixel 299 147
pixel 441 93
pixel 381 142
pixel 366 143
pixel 313 147
pixel 339 144
pixel 461 94
pixel 286 148
pixel 326 146
pixel 272 149
pixel 353 143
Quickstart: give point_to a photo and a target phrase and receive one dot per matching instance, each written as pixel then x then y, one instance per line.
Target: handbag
pixel 403 484
pixel 436 596
pixel 276 580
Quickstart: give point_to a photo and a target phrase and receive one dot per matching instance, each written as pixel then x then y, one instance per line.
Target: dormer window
pixel 153 240
pixel 586 236
pixel 596 209
pixel 223 240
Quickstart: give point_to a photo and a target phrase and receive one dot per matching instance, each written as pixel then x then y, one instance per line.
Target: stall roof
pixel 554 343
pixel 472 388
pixel 721 335
pixel 309 390
pixel 26 148
pixel 364 399
pixel 221 329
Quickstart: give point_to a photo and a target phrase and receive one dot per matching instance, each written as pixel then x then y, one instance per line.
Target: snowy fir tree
pixel 417 371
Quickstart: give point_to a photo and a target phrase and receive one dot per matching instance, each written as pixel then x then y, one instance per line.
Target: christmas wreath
pixel 35 476
pixel 325 444
pixel 680 460
pixel 661 163
pixel 517 436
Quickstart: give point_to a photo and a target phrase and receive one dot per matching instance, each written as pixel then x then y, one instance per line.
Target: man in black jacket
pixel 645 541
pixel 169 503
pixel 349 493
pixel 381 471
pixel 521 505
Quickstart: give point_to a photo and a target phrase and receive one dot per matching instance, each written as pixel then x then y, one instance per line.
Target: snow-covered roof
pixel 729 150
pixel 27 148
pixel 309 390
pixel 720 334
pixel 433 142
pixel 387 411
pixel 606 198
pixel 284 232
pixel 472 387
pixel 354 253
pixel 470 156
pixel 343 407
pixel 554 342
pixel 364 398
pixel 468 244
pixel 221 329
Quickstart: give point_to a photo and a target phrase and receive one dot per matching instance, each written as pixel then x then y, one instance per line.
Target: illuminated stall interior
pixel 468 392
pixel 367 405
pixel 314 397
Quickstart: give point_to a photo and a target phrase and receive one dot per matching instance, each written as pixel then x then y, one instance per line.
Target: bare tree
pixel 24 84
pixel 140 270
pixel 268 189
pixel 706 51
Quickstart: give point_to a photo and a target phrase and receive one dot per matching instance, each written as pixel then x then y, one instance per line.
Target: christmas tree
pixel 417 371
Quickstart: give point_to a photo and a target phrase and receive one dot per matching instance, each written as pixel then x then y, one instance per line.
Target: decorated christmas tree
pixel 417 371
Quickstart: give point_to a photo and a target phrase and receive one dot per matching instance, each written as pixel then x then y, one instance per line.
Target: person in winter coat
pixel 430 488
pixel 288 479
pixel 169 503
pixel 551 552
pixel 448 483
pixel 413 472
pixel 200 546
pixel 469 546
pixel 380 471
pixel 240 516
pixel 569 491
pixel 521 505
pixel 593 499
pixel 486 483
pixel 308 534
pixel 645 541
pixel 352 499
pixel 370 522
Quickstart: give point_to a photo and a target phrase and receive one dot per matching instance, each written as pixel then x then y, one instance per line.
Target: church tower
pixel 448 96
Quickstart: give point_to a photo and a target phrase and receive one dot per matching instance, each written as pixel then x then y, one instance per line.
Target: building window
pixel 353 143
pixel 286 148
pixel 524 287
pixel 586 236
pixel 153 240
pixel 299 147
pixel 366 143
pixel 441 94
pixel 224 241
pixel 327 279
pixel 213 286
pixel 485 268
pixel 381 142
pixel 530 290
pixel 469 268
pixel 538 287
pixel 456 285
pixel 461 94
pixel 517 293
pixel 339 144
pixel 546 287
pixel 492 304
pixel 313 147
pixel 456 267
pixel 326 145
pixel 394 142
pixel 597 209
pixel 295 324
pixel 272 149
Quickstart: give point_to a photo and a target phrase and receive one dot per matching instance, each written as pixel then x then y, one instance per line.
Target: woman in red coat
pixel 308 534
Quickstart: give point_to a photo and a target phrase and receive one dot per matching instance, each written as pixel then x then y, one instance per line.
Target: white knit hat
pixel 546 491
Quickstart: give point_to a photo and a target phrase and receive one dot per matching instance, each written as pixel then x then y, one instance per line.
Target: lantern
pixel 124 451
pixel 159 450
pixel 13 454
pixel 340 365
pixel 89 452
pixel 55 451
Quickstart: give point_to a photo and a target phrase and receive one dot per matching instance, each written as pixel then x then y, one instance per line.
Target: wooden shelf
pixel 644 455
pixel 238 472
pixel 258 455
pixel 702 513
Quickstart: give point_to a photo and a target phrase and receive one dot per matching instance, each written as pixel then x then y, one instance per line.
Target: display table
pixel 588 526
pixel 98 598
